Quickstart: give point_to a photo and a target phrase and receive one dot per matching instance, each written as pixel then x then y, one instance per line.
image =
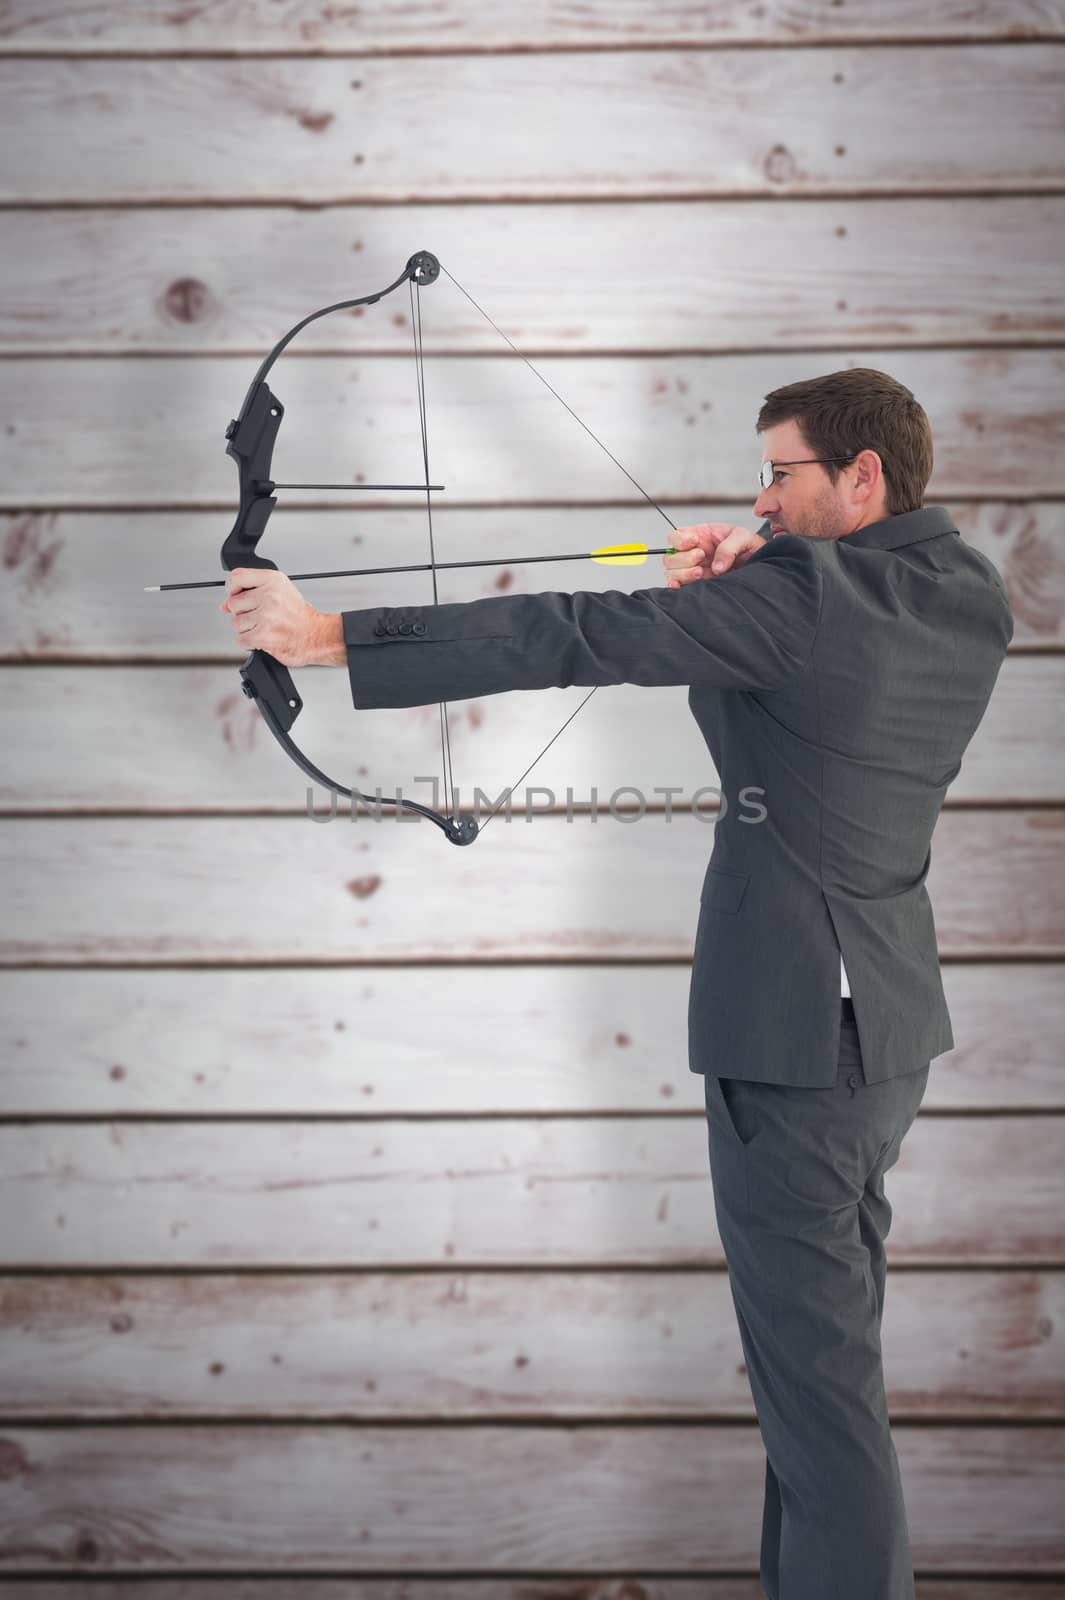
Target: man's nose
pixel 765 505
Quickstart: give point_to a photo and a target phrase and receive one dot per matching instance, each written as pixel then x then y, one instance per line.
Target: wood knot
pixel 187 300
pixel 779 165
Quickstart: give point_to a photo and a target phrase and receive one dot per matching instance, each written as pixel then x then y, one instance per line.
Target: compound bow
pixel 250 442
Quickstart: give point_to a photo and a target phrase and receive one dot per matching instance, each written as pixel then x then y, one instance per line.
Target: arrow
pixel 608 555
pixel 352 488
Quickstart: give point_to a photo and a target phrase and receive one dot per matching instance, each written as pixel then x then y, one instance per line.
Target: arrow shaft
pixel 362 488
pixel 424 566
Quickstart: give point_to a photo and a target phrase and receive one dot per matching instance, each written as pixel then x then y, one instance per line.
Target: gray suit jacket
pixel 837 683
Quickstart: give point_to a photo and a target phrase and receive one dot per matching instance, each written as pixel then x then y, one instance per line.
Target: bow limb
pixel 250 442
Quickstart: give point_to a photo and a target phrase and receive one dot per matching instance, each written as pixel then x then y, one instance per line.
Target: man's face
pixel 803 499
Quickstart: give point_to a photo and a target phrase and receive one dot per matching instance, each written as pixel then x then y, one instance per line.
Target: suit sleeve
pixel 753 628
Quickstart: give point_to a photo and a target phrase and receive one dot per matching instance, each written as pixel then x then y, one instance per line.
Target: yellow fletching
pixel 621 555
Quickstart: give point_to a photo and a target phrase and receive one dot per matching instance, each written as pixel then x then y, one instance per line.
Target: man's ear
pixel 870 472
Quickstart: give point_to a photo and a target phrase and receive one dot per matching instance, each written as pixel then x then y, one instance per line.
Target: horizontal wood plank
pixel 304 27
pixel 80 734
pixel 119 433
pixel 884 272
pixel 75 579
pixel 207 891
pixel 565 125
pixel 579 1039
pixel 637 1587
pixel 531 1346
pixel 486 1499
pixel 489 1192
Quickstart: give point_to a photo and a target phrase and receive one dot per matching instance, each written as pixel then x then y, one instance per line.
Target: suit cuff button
pixel 419 628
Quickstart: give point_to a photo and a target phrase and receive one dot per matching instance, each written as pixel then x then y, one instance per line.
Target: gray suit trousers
pixel 798 1183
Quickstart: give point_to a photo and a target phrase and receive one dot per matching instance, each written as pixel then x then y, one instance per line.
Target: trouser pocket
pixel 733 1105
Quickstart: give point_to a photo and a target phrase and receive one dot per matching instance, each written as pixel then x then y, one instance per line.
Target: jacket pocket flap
pixel 723 891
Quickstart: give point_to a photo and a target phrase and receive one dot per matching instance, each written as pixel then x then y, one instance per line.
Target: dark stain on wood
pixel 314 121
pixel 14 1461
pixel 593 1589
pixel 228 710
pixel 362 888
pixel 86 1550
pixel 26 551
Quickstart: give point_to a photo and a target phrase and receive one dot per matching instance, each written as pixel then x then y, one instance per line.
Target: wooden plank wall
pixel 356 1233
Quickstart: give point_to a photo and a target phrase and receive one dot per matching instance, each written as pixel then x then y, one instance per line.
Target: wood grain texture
pixel 689 276
pixel 327 1282
pixel 561 126
pixel 533 1346
pixel 106 890
pixel 636 1587
pixel 306 27
pixel 595 1038
pixel 80 734
pixel 121 434
pixel 486 1499
pixel 534 1192
pixel 74 580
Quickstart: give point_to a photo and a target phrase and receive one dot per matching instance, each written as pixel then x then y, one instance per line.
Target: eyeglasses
pixel 767 471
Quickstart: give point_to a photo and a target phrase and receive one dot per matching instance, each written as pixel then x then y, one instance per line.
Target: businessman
pixel 841 666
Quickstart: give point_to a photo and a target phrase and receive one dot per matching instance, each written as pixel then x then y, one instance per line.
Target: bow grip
pixel 263 678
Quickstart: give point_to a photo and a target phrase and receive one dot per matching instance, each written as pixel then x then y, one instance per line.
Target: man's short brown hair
pixel 861 409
